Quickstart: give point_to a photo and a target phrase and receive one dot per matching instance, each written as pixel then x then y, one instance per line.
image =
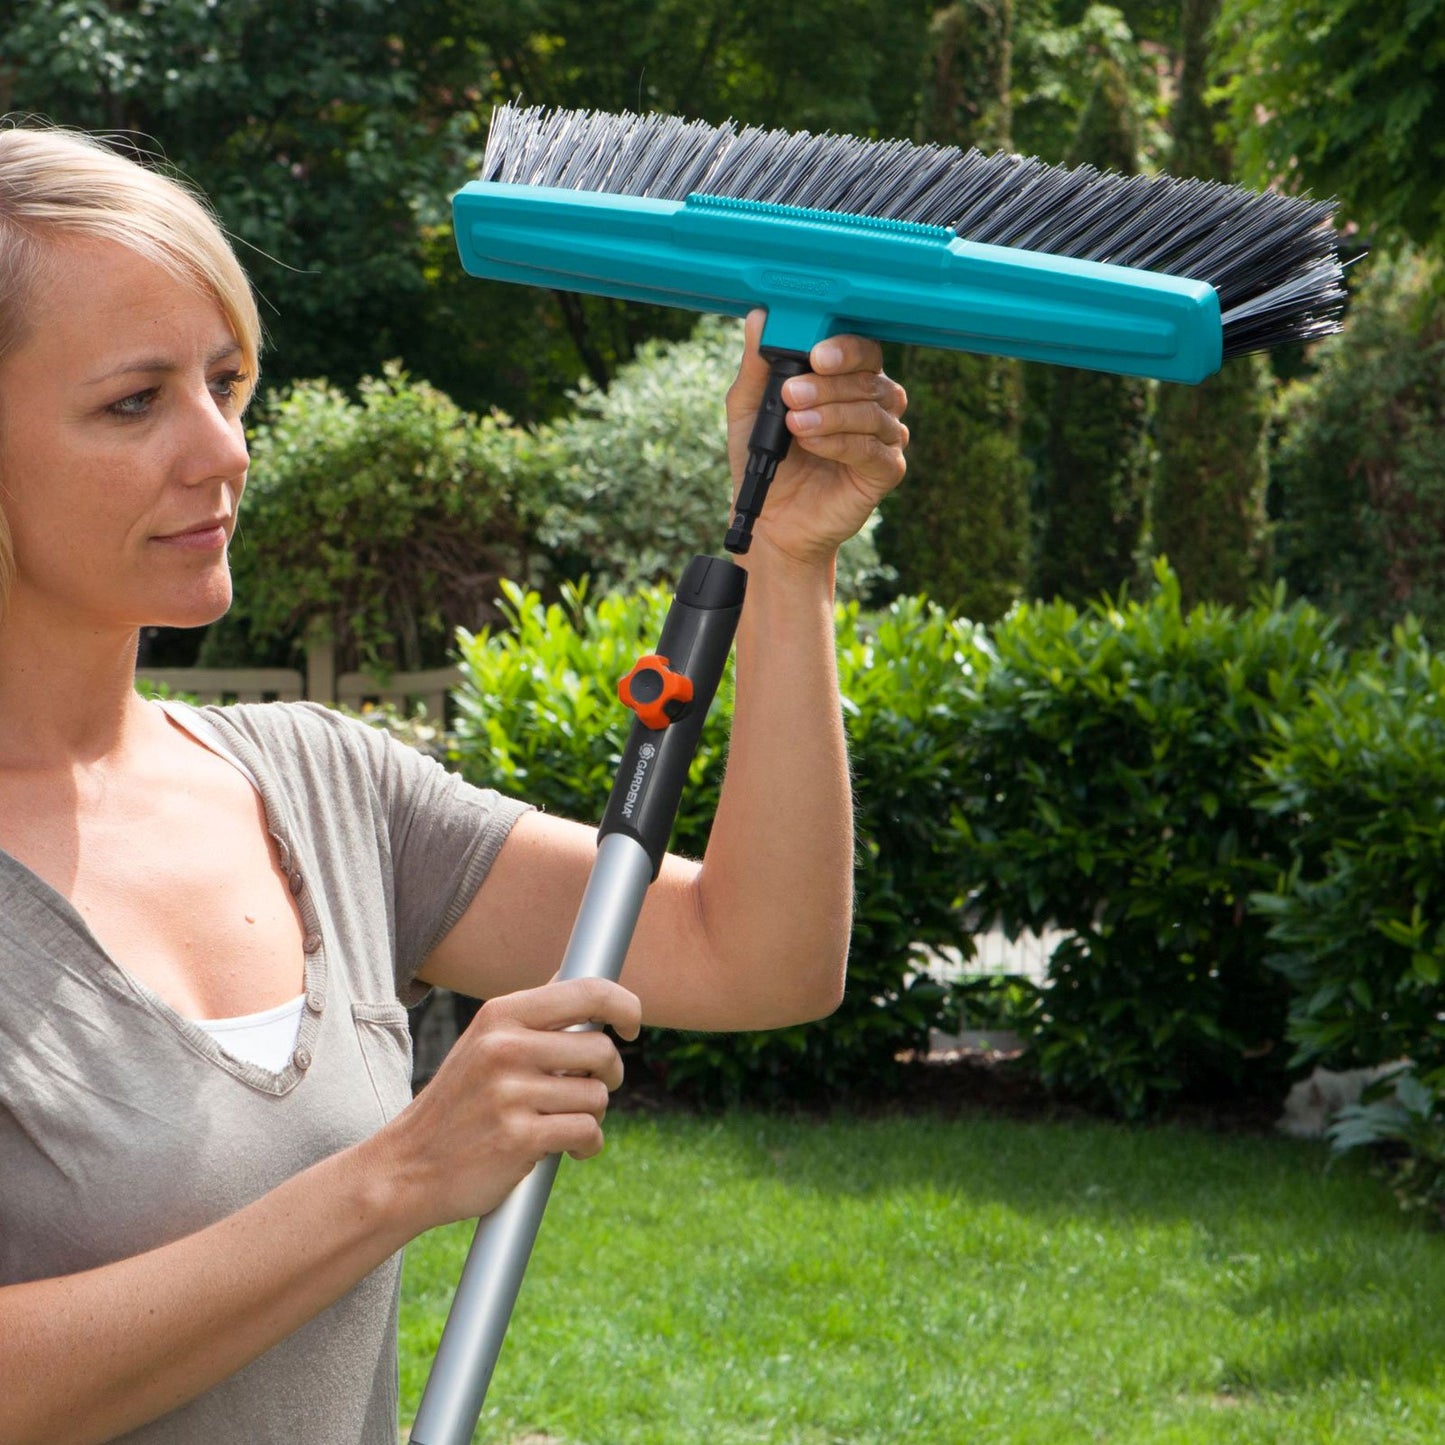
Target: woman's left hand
pixel 847 449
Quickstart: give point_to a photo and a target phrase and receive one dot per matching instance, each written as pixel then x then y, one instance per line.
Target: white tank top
pixel 267 1038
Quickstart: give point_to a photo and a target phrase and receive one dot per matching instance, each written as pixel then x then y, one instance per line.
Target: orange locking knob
pixel 656 693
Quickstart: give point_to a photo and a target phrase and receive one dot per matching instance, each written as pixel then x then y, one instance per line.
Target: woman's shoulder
pixel 286 721
pixel 296 734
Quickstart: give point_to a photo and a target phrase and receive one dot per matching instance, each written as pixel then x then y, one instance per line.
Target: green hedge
pixel 537 716
pixel 1110 767
pixel 1358 924
pixel 1239 827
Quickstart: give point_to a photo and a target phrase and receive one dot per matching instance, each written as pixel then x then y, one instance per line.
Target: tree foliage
pixel 322 134
pixel 1360 467
pixel 1095 462
pixel 1343 97
pixel 1208 508
pixel 1068 61
pixel 330 136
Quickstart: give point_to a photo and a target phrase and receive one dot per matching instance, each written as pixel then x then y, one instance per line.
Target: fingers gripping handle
pixel 767 446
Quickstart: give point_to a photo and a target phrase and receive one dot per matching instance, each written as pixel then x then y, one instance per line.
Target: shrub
pixel 1358 922
pixel 636 476
pixel 1108 758
pixel 537 716
pixel 389 518
pixel 1407 1127
pixel 901 673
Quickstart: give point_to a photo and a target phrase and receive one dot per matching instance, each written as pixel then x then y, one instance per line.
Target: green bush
pixel 1222 810
pixel 1407 1127
pixel 1109 763
pixel 537 713
pixel 636 476
pixel 1358 923
pixel 389 519
pixel 537 716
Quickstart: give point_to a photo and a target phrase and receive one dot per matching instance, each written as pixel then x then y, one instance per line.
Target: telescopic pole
pixel 670 690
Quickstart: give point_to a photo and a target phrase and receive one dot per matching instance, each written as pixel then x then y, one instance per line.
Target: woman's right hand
pixel 522 1082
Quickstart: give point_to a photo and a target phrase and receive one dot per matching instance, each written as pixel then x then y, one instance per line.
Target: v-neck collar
pixel 314 944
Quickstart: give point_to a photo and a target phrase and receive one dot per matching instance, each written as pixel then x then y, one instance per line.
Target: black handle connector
pixel 671 690
pixel 767 446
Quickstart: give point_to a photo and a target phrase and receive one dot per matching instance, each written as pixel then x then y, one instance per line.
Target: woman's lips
pixel 209 537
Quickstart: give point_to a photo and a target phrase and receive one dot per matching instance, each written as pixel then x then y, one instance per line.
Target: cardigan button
pixel 311 943
pixel 303 1058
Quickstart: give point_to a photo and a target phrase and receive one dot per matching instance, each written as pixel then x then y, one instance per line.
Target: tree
pixel 322 134
pixel 1096 454
pixel 1208 512
pixel 331 134
pixel 1343 97
pixel 958 530
pixel 1360 469
pixel 1059 55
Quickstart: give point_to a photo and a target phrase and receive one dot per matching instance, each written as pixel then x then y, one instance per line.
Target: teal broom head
pixel 927 245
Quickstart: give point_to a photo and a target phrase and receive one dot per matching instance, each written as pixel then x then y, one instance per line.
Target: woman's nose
pixel 216 441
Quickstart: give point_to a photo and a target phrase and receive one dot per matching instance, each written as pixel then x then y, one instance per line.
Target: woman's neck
pixel 67 695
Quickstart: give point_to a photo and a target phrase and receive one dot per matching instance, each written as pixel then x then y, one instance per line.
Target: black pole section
pixel 767 446
pixel 696 639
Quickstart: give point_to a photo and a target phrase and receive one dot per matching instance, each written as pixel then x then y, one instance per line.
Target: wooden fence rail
pixel 319 683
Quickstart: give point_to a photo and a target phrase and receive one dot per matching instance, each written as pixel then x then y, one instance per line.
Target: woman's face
pixel 122 454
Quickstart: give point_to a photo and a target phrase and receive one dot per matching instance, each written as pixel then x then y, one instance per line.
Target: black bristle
pixel 1273 259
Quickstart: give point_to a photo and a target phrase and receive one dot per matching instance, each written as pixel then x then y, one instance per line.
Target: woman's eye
pixel 137 404
pixel 229 386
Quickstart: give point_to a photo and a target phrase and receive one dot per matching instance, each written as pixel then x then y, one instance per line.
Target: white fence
pixel 996 952
pixel 319 683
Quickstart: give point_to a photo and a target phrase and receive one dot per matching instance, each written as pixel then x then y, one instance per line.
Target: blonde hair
pixel 58 184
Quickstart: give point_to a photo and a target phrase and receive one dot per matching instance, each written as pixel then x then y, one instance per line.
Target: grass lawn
pixel 937 1281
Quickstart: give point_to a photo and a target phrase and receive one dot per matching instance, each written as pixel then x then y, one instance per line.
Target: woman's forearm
pixel 89 1356
pixel 776 886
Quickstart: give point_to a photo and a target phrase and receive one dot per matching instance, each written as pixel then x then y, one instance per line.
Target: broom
pixel 926 245
pixel 929 245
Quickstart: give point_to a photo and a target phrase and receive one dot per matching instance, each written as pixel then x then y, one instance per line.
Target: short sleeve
pixel 444 835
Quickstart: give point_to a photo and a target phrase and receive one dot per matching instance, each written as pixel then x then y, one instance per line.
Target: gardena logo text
pixel 645 755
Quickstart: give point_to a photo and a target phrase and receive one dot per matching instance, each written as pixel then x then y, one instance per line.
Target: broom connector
pixel 767 446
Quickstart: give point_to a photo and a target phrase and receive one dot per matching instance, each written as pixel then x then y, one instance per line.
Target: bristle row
pixel 1271 258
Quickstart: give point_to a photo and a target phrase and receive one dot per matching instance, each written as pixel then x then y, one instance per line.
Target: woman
pixel 199 1237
